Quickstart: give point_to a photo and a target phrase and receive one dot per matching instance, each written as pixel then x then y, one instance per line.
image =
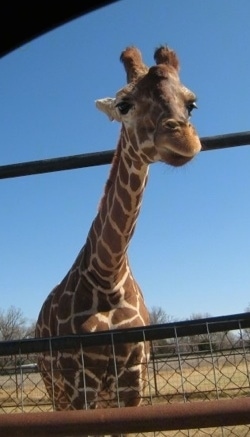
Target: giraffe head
pixel 155 109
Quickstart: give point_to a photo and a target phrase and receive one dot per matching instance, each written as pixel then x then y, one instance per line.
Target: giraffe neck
pixel 113 227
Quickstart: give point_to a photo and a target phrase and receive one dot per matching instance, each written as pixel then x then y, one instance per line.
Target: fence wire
pixel 190 361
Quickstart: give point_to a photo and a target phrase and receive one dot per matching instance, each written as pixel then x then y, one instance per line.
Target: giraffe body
pixel 99 292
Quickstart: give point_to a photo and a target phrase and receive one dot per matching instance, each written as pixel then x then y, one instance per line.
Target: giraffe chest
pixel 84 309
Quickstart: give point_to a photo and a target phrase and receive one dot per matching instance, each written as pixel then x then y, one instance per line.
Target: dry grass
pixel 206 382
pixel 23 393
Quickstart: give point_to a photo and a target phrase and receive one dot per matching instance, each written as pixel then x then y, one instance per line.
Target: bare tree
pixel 158 315
pixel 246 331
pixel 210 341
pixel 13 325
pixel 30 330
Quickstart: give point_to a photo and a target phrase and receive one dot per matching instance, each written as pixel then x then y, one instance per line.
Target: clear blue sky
pixel 191 249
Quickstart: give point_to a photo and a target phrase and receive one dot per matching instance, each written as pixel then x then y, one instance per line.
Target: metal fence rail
pixel 155 418
pixel 193 362
pixel 105 157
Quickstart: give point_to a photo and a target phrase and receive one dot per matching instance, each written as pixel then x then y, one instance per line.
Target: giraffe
pixel 99 292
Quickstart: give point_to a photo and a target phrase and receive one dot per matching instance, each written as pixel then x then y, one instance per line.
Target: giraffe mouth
pixel 173 158
pixel 177 145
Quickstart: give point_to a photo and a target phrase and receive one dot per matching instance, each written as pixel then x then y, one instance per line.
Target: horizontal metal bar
pixel 151 418
pixel 225 141
pixel 56 164
pixel 151 332
pixel 105 157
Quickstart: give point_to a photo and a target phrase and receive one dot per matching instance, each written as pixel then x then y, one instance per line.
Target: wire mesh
pixel 210 362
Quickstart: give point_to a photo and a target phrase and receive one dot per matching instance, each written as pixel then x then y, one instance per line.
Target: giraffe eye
pixel 124 107
pixel 190 107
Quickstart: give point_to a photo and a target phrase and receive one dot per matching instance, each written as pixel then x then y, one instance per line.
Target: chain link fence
pixel 200 360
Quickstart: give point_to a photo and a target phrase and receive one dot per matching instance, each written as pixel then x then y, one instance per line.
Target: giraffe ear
pixel 107 106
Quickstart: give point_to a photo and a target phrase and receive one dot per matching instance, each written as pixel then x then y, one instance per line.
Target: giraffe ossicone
pixel 99 292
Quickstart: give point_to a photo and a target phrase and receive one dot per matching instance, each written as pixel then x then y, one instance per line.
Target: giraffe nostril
pixel 171 124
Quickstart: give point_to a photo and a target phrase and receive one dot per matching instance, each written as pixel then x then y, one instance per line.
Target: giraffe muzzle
pixel 177 142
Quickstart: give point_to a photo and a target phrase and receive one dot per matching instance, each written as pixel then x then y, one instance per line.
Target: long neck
pixel 113 227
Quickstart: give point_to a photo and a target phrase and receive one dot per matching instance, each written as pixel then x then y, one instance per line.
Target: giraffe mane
pixel 112 174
